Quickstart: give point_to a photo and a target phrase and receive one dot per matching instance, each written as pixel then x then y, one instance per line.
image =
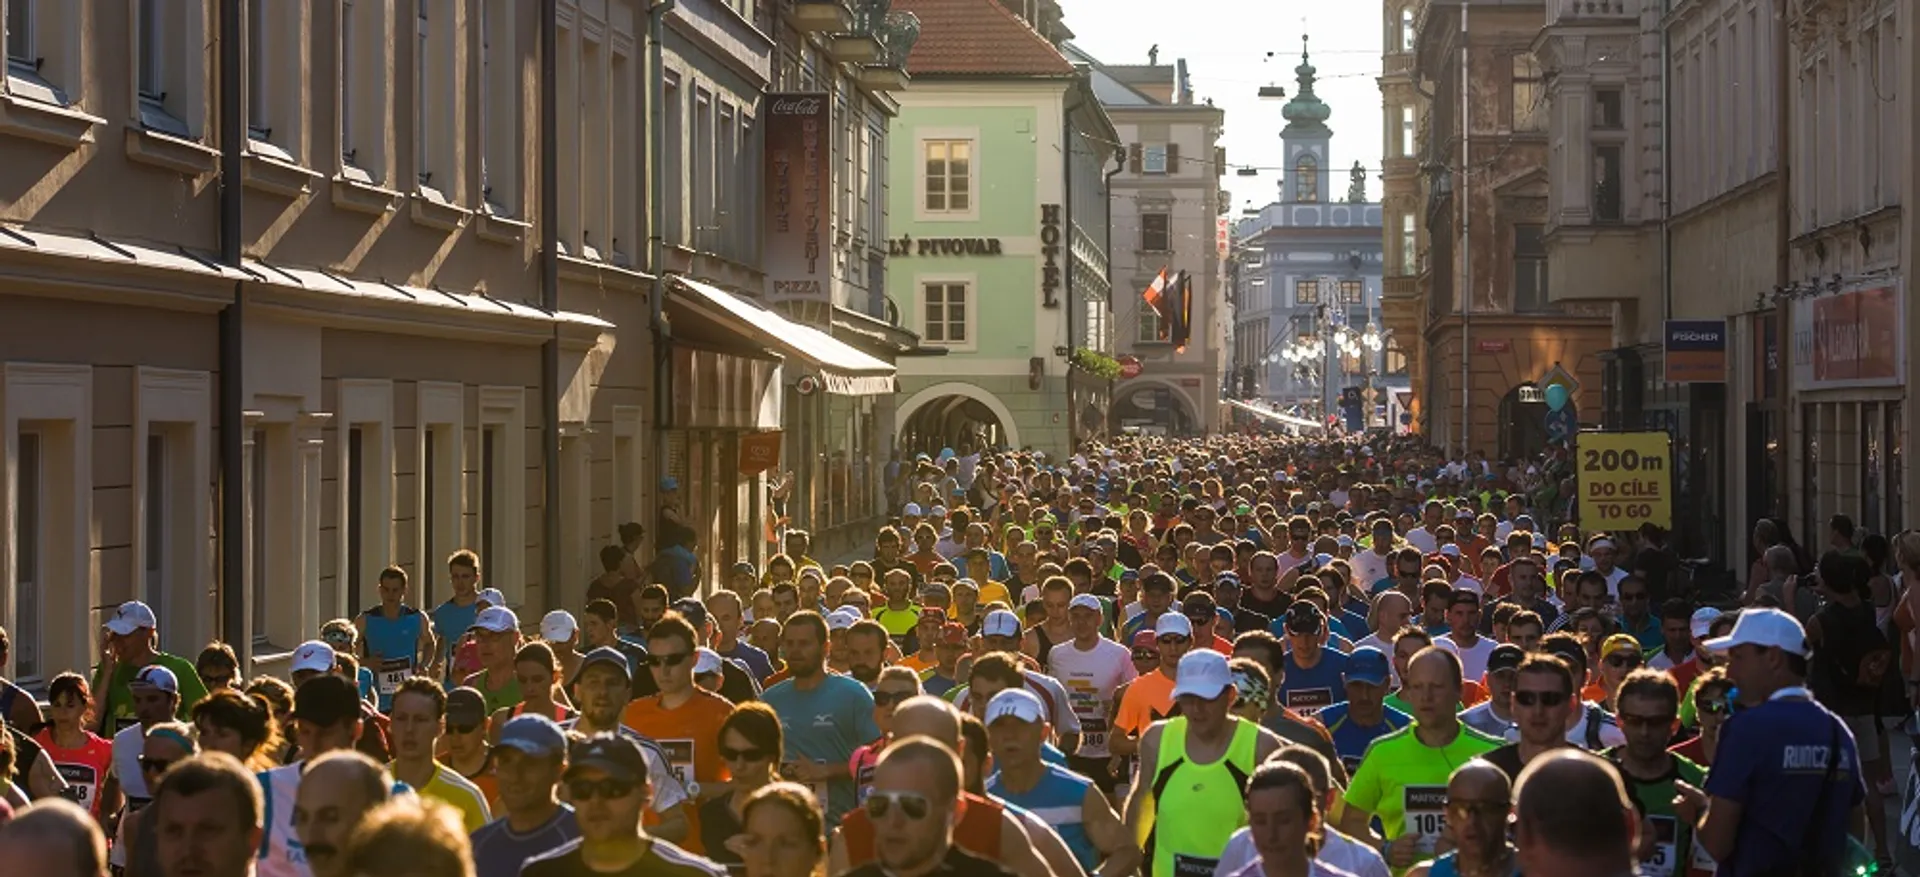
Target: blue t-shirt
pixel 499 852
pixel 1059 800
pixel 751 656
pixel 450 622
pixel 1351 739
pixel 825 726
pixel 1308 690
pixel 1773 760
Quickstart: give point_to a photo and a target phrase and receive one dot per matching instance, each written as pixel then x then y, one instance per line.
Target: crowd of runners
pixel 1245 656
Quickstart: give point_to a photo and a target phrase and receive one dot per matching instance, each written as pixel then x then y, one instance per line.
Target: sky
pixel 1232 47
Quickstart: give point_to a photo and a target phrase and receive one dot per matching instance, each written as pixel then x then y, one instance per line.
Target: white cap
pixel 1203 673
pixel 498 619
pixel 705 661
pixel 558 626
pixel 156 676
pixel 1766 628
pixel 912 510
pixel 131 616
pixel 1599 544
pixel 1172 624
pixel 938 511
pixel 1086 601
pixel 1702 621
pixel 1016 703
pixel 492 597
pixel 1450 550
pixel 811 570
pixel 1000 622
pixel 313 655
pixel 841 619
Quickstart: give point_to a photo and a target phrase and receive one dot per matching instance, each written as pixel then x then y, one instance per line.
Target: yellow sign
pixel 1626 479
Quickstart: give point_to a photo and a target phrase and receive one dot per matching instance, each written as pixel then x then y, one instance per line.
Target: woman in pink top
pixel 895 685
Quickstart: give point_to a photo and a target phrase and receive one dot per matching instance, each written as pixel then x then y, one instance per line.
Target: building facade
pixel 1495 335
pixel 1311 267
pixel 998 196
pixel 1167 215
pixel 1403 107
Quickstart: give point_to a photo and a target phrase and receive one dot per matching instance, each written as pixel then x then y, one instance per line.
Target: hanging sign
pixel 759 451
pixel 1050 237
pixel 798 197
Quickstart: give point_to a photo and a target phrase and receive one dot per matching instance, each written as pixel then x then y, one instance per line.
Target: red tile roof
pixel 978 38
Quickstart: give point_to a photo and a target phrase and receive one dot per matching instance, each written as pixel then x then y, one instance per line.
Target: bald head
pixel 1479 780
pixel 1572 806
pixel 58 836
pixel 928 716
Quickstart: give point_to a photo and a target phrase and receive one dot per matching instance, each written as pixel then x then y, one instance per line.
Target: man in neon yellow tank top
pixel 1403 777
pixel 1191 795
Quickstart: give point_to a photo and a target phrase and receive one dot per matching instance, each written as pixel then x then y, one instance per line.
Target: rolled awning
pixel 1276 416
pixel 844 369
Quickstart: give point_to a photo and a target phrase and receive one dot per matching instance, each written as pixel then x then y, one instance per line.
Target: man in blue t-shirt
pixel 825 716
pixel 527 762
pixel 1786 774
pixel 1311 671
pixel 1364 716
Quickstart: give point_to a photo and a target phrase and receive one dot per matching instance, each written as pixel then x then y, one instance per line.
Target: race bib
pixel 1093 733
pixel 1702 863
pixel 392 672
pixel 679 759
pixel 1193 866
pixel 82 783
pixel 1666 848
pixel 1307 701
pixel 1426 814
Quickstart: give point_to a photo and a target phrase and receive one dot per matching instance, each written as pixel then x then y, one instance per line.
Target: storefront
pixel 1849 366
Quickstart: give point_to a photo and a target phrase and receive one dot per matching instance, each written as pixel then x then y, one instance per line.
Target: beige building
pixel 417 372
pixel 1403 234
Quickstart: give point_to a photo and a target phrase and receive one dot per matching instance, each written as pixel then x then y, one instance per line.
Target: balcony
pixel 897 34
pixel 860 43
pixel 1591 11
pixel 821 16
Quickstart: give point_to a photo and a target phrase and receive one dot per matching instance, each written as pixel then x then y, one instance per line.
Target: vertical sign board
pixel 1696 352
pixel 798 202
pixel 1626 479
pixel 1853 339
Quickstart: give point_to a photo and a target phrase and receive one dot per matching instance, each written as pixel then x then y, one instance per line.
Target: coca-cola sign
pixel 798 216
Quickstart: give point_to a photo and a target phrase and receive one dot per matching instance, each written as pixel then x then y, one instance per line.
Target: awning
pixel 844 369
pixel 1276 416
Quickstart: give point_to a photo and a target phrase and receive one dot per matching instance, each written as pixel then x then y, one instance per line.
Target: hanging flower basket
pixel 1095 363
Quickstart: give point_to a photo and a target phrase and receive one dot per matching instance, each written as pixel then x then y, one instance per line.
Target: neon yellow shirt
pixel 459 793
pixel 1404 781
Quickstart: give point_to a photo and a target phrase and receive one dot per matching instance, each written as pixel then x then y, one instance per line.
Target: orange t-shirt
pixel 1148 700
pixel 917 664
pixel 690 736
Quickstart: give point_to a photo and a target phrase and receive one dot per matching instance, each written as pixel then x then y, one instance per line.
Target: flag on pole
pixel 1156 296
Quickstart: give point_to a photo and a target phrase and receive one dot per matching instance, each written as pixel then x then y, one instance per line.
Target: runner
pixel 1017 729
pixel 1312 671
pixel 456 616
pixel 684 719
pixel 1364 716
pixel 1649 711
pixel 396 640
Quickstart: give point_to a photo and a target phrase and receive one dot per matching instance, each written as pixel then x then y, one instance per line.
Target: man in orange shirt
pixel 683 718
pixel 927 633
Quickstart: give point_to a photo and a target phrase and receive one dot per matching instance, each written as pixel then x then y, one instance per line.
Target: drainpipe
pixel 1782 257
pixel 233 496
pixel 662 332
pixel 1666 172
pixel 1119 164
pixel 1066 243
pixel 1466 236
pixel 550 292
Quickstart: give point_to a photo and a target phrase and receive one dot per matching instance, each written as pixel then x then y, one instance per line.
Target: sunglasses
pixel 1623 661
pixel 609 788
pixel 889 698
pixel 1145 655
pixel 751 753
pixel 668 660
pixel 1711 707
pixel 1175 639
pixel 1647 721
pixel 216 680
pixel 1462 811
pixel 1540 698
pixel 155 765
pixel 913 805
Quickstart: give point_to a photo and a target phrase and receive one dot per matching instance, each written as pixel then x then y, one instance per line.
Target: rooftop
pixel 978 38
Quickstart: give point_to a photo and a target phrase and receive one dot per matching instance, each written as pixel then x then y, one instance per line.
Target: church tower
pixel 1306 139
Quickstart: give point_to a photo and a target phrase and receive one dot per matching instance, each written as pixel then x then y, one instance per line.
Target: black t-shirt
pixel 1273 608
pixel 1245 619
pixel 717 826
pixel 661 859
pixel 1507 758
pixel 958 863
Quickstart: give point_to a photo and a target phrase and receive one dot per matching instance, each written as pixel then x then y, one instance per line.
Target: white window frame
pixel 971 322
pixel 440 417
pixel 1147 328
pixel 1153 159
pixel 366 405
pixel 1409 244
pixel 505 409
pixel 923 139
pixel 1408 142
pixel 176 407
pixel 54 401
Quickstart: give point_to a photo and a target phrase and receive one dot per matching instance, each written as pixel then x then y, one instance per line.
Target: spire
pixel 1306 114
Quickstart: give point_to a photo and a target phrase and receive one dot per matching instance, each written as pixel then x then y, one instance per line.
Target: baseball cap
pixel 466 708
pixel 1000 622
pixel 1367 664
pixel 498 619
pixel 156 676
pixel 1146 641
pixel 558 626
pixel 1571 652
pixel 1505 656
pixel 605 656
pixel 745 567
pixel 1203 673
pixel 326 700
pixel 692 610
pixel 1016 703
pixel 932 615
pixel 1198 603
pixel 1131 575
pixel 1304 617
pixel 938 511
pixel 617 756
pixel 1450 550
pixel 533 734
pixel 1226 580
pixel 953 633
pixel 1344 540
pixel 911 511
pixel 841 619
pixel 491 597
pixel 1764 627
pixel 1172 624
pixel 1619 642
pixel 131 616
pixel 313 655
pixel 1702 622
pixel 1085 601
pixel 705 661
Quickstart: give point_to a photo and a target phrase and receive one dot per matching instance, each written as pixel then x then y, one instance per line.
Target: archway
pixel 1153 407
pixel 1523 422
pixel 944 415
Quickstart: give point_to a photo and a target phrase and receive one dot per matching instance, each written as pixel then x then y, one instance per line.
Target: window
pixel 499 117
pixel 436 124
pixel 1529 268
pixel 1607 188
pixel 1409 245
pixel 259 98
pixel 42 49
pixel 164 92
pixel 702 186
pixel 593 135
pixel 949 176
pixel 1406 29
pixel 1529 110
pixel 1607 109
pixel 1156 232
pixel 1406 132
pixel 624 193
pixel 1353 292
pixel 1153 159
pixel 723 193
pixel 154 583
pixel 946 313
pixel 1147 328
pixel 1306 292
pixel 674 160
pixel 1306 179
pixel 356 512
pixel 365 102
pixel 20 36
pixel 28 539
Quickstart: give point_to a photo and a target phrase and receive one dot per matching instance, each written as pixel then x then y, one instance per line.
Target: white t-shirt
pixel 128 743
pixel 1419 538
pixel 1090 678
pixel 1339 855
pixel 1610 733
pixel 1288 561
pixel 1473 658
pixel 1481 717
pixel 1370 566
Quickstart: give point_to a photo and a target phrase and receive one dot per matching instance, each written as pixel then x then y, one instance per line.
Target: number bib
pixel 1193 866
pixel 392 672
pixel 82 783
pixel 1307 701
pixel 1666 848
pixel 679 759
pixel 1426 814
pixel 1093 733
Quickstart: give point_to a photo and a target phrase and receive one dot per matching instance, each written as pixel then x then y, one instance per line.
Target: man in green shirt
pixel 1649 710
pixel 128 643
